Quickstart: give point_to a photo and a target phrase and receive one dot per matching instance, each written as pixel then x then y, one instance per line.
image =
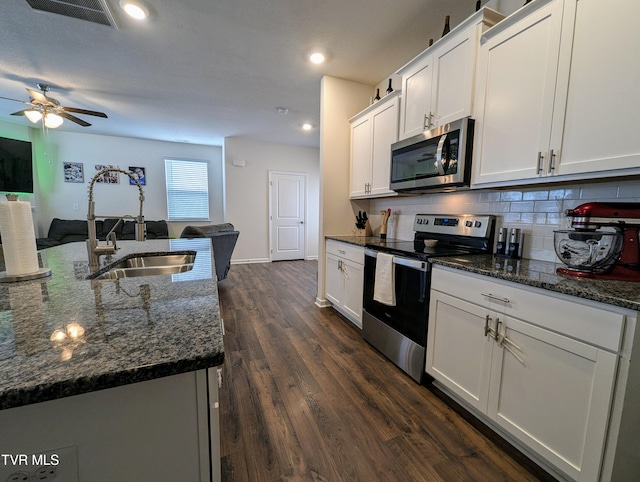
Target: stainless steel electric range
pixel 400 331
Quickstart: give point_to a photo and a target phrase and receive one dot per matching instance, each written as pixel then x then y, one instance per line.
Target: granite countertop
pixel 542 274
pixel 363 240
pixel 135 329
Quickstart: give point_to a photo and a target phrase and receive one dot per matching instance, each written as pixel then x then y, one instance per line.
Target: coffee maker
pixel 603 243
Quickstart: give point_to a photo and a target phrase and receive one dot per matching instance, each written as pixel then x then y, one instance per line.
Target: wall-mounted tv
pixel 16 166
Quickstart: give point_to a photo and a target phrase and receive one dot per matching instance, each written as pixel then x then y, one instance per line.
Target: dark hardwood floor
pixel 305 398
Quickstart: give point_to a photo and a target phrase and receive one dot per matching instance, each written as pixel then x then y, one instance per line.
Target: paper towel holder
pixel 7 278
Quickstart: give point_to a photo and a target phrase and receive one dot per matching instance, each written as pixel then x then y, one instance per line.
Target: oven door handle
pixel 409 263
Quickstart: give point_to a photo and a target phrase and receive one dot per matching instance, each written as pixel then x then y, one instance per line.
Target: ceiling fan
pixel 49 109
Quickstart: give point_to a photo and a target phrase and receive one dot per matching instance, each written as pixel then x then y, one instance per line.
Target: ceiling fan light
pixel 51 121
pixel 134 9
pixel 33 115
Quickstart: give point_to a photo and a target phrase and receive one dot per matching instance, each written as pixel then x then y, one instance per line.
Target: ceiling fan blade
pixel 15 100
pixel 20 112
pixel 73 118
pixel 38 96
pixel 85 112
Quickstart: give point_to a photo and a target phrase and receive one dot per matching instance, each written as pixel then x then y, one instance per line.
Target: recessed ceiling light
pixel 307 127
pixel 134 9
pixel 317 57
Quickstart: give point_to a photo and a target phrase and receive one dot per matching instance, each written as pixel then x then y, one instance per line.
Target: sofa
pixel 223 238
pixel 62 231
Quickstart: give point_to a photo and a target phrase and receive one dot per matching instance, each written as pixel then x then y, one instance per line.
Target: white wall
pixel 56 198
pixel 247 193
pixel 339 101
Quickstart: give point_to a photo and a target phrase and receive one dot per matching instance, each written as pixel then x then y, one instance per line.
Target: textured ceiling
pixel 201 70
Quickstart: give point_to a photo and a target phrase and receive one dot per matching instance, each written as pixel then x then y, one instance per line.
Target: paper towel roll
pixel 18 238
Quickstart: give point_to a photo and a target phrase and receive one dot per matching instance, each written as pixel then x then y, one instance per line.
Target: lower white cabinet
pixel 345 278
pixel 539 369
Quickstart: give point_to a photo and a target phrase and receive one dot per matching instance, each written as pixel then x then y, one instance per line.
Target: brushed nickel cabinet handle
pixel 497 298
pixel 540 161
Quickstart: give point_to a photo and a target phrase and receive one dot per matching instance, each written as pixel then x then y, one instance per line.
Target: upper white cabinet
pixel 438 84
pixel 372 133
pixel 555 100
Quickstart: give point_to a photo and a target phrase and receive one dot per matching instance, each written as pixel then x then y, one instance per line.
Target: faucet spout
pixel 94 248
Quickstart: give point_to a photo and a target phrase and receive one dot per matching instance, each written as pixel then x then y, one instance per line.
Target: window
pixel 187 190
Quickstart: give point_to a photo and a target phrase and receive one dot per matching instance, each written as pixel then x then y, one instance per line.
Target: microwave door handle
pixel 439 166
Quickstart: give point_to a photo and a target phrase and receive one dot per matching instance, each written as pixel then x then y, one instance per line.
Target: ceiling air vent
pixel 95 11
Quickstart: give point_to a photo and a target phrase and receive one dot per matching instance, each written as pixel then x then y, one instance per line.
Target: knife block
pixel 366 231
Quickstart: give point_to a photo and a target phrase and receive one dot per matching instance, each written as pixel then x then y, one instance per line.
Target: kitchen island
pixel 116 378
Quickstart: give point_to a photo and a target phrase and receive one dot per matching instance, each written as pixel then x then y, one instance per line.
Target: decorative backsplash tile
pixel 536 211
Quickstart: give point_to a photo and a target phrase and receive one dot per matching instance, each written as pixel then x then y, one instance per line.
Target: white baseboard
pixel 250 261
pixel 312 258
pixel 323 303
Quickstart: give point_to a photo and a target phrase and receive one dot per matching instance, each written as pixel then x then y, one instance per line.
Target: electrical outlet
pixel 19 477
pixel 46 473
pixel 57 465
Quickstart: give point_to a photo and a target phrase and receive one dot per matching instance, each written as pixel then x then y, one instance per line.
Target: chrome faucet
pixel 94 248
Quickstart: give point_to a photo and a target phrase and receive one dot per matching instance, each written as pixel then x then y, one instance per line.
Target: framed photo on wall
pixel 73 171
pixel 140 173
pixel 109 177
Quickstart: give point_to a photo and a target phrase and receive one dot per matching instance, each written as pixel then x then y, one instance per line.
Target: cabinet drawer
pixel 346 251
pixel 581 319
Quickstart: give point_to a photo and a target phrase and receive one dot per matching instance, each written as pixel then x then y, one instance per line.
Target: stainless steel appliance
pixel 400 332
pixel 436 159
pixel 603 242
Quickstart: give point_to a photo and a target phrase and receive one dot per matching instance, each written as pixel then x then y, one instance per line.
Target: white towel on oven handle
pixel 384 286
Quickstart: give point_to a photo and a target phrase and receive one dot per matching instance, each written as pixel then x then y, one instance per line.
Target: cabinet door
pixel 458 352
pixel 360 156
pixel 333 280
pixel 516 85
pixel 602 115
pixel 353 291
pixel 385 133
pixel 416 103
pixel 553 393
pixel 454 69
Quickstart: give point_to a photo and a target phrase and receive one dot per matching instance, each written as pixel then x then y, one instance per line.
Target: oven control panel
pixel 474 225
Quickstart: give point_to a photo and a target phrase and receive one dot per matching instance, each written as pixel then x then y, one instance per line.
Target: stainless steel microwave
pixel 438 159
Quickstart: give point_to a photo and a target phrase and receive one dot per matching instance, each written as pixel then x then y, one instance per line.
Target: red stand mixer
pixel 603 243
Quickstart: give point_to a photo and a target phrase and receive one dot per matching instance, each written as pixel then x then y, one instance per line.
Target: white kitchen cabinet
pixel 344 279
pixel 438 84
pixel 548 106
pixel 540 369
pixel 372 133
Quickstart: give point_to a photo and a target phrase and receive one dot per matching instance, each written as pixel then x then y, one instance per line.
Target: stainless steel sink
pixel 118 273
pixel 149 264
pixel 151 260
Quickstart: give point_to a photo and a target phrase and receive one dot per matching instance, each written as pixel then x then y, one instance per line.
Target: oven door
pixel 409 316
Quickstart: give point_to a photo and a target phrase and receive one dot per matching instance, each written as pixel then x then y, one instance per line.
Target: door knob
pixel 301 222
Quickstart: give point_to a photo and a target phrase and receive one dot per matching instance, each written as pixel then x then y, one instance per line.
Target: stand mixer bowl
pixel 588 251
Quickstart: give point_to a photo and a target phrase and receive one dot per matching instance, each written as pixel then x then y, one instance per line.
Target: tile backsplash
pixel 537 211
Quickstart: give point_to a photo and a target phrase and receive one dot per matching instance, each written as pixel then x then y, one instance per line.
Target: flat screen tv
pixel 16 166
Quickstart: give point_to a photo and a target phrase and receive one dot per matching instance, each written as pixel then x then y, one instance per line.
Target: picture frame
pixel 140 173
pixel 109 177
pixel 73 172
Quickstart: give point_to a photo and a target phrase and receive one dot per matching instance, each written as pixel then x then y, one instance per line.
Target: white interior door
pixel 287 215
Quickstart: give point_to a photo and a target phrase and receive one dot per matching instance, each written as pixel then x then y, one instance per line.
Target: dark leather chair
pixel 223 239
